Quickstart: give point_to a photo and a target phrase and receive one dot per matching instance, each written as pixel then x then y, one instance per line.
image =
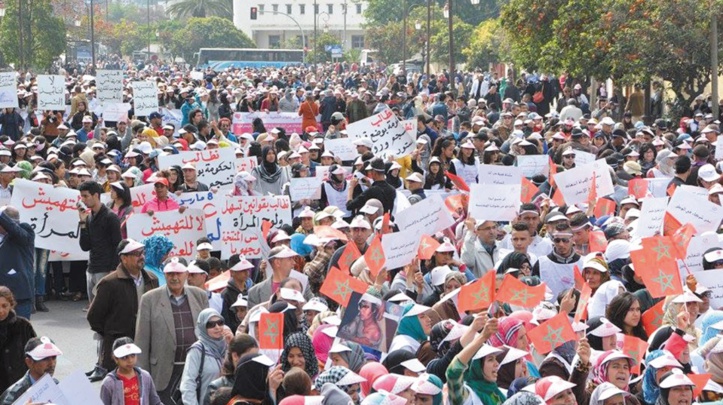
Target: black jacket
pixel 101 236
pixel 17 251
pixel 15 331
pixel 381 190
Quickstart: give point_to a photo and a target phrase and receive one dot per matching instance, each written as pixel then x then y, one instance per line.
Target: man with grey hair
pixel 17 249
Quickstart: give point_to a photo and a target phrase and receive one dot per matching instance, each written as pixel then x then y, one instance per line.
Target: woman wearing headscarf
pixel 334 191
pixel 270 176
pixel 157 248
pixel 299 352
pixel 611 367
pixel 413 330
pixel 392 170
pixel 675 389
pixel 322 341
pixel 611 394
pixel 205 357
pixel 708 332
pixel 676 304
pixel 352 359
pixel 344 379
pixel 428 390
pixel 512 366
pixel 243 185
pixel 713 365
pixel 252 382
pixel 371 372
pixel 654 370
pixel 664 165
pixel 240 345
pixel 512 332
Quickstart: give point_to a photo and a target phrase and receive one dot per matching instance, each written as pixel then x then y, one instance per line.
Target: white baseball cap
pixel 126 350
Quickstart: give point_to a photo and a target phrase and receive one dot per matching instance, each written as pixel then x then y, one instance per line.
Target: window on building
pixel 302 8
pixel 357 41
pixel 261 8
pixel 316 9
pixel 330 8
pixel 274 41
pixel 358 8
pixel 288 9
pixel 275 7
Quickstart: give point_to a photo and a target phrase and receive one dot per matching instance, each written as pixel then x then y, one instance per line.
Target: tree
pixel 439 45
pixel 210 32
pixel 202 8
pixel 487 45
pixel 383 12
pixel 318 51
pixel 40 31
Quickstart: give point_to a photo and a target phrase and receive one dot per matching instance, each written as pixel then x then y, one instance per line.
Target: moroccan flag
pixel 515 292
pixel 265 227
pixel 326 231
pixel 458 182
pixel 219 282
pixel 271 331
pixel 552 333
pixel 671 189
pixel 579 280
pixel 385 224
pixel 348 256
pixel 529 190
pixel 597 241
pixel 681 240
pixel 479 294
pixel 374 256
pixel 553 172
pixel 581 310
pixel 652 319
pixel 662 278
pixel 557 198
pixel 339 286
pixel 604 206
pixel 427 246
pixel 670 224
pixel 638 188
pixel 700 380
pixel 456 203
pixel 592 194
pixel 635 348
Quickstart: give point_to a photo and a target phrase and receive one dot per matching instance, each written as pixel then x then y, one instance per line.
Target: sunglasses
pixel 561 240
pixel 569 156
pixel 213 324
pixel 137 253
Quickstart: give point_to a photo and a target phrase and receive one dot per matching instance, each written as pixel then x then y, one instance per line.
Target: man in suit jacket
pixel 165 328
pixel 17 250
pixel 281 260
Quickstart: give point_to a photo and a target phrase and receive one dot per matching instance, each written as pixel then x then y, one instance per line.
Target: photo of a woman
pixel 362 321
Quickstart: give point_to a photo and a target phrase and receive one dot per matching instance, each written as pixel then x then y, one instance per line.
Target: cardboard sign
pixel 583 158
pixel 651 217
pixel 51 92
pixel 214 167
pixel 145 98
pixel 500 175
pixel 386 132
pixel 342 147
pixel 240 222
pixel 304 188
pixel 109 87
pixel 688 207
pixel 8 90
pixel 494 202
pixel 182 229
pixel 399 249
pixel 116 111
pixel 575 183
pixel 532 165
pixel 246 164
pixel 699 244
pixel 713 279
pixel 426 217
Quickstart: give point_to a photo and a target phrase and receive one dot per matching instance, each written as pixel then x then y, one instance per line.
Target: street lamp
pixel 417 25
pixel 2 10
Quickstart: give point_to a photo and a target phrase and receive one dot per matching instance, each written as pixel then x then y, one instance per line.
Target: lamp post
pixel 426 44
pixel 449 15
pixel 316 38
pixel 148 27
pixel 303 37
pixel 92 38
pixel 21 54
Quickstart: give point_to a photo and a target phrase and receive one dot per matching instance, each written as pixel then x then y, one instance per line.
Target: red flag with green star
pixel 552 333
pixel 670 224
pixel 339 285
pixel 681 240
pixel 557 198
pixel 579 279
pixel 479 294
pixel 265 227
pixel 635 348
pixel 271 331
pixel 597 241
pixel 592 194
pixel 529 190
pixel 581 310
pixel 515 292
pixel 699 381
pixel 374 256
pixel 456 203
pixel 458 182
pixel 553 172
pixel 638 188
pixel 652 319
pixel 427 246
pixel 603 207
pixel 661 276
pixel 348 256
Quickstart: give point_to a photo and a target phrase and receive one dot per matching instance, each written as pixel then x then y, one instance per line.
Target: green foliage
pixel 43 34
pixel 318 51
pixel 383 12
pixel 487 45
pixel 439 45
pixel 210 32
pixel 202 8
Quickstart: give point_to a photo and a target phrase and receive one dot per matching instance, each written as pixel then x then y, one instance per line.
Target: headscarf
pixel 214 347
pixel 393 362
pixel 291 321
pixel 514 260
pixel 336 184
pixel 439 332
pixel 322 343
pixel 269 171
pixel 600 369
pixel 250 378
pixel 710 318
pixel 302 341
pixel 354 358
pixel 713 361
pixel 651 390
pixel 436 399
pixel 393 181
pixel 672 309
pixel 602 297
pixel 595 341
pixel 518 384
pixel 334 396
pixel 594 398
pixel 507 333
pixel 410 326
pixel 26 168
pixel 524 398
pixel 241 186
pixel 506 372
pixel 332 375
pixel 157 246
pixel 487 391
pixel 371 371
pixel 664 164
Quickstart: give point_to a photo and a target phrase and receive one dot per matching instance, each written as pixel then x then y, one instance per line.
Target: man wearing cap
pixel 100 234
pixel 379 188
pixel 281 260
pixel 165 327
pixel 238 285
pixel 161 202
pixel 581 228
pixel 40 357
pixel 86 131
pixel 479 251
pixel 7 175
pixel 190 180
pixel 17 249
pixel 113 312
pixel 557 268
pixel 156 120
pixel 415 184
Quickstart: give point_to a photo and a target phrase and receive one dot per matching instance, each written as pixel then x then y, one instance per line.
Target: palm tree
pixel 202 8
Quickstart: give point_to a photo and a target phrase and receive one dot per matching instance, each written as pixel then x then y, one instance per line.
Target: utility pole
pixel 404 39
pixel 21 54
pixel 148 25
pixel 714 58
pixel 426 44
pixel 451 45
pixel 316 38
pixel 92 38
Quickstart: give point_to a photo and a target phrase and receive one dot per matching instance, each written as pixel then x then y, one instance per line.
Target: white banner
pixel 426 217
pixel 651 217
pixel 51 92
pixel 246 164
pixel 583 158
pixel 114 112
pixel 386 132
pixel 303 188
pixel 399 249
pixel 494 202
pixel 342 147
pixel 496 174
pixel 51 212
pixel 713 279
pixel 145 98
pixel 208 202
pixel 575 183
pixel 109 87
pixel 8 90
pixel 688 207
pixel 696 248
pixel 533 165
pixel 241 219
pixel 215 167
pixel 290 122
pixel 142 194
pixel 183 229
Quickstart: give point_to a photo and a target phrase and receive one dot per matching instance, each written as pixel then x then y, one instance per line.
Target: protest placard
pixel 172 117
pixel 196 75
pixel 583 158
pixel 290 122
pixel 494 202
pixel 214 167
pixel 575 183
pixel 426 217
pixel 55 256
pixel 386 132
pixel 651 217
pixel 109 87
pixel 697 247
pixel 713 279
pixel 246 164
pixel 241 218
pixel 51 92
pixel 303 188
pixel 322 172
pixel 142 194
pixel 497 174
pixel 8 90
pixel 116 111
pixel 658 187
pixel 44 391
pixel 183 229
pixel 532 165
pixel 208 202
pixel 51 212
pixel 699 191
pixel 341 147
pixel 78 388
pixel 145 98
pixel 399 249
pixel 688 207
pixel 410 126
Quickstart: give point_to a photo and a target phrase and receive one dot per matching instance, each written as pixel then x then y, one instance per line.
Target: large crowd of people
pixel 169 333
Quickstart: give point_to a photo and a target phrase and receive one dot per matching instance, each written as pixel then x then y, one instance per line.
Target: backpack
pixel 176 396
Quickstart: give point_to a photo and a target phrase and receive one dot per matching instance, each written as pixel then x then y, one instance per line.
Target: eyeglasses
pixel 159 185
pixel 213 324
pixel 137 253
pixel 561 240
pixel 569 156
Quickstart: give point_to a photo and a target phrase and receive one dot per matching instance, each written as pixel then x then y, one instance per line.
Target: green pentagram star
pixel 342 289
pixel 665 281
pixel 554 337
pixel 482 295
pixel 662 250
pixel 634 354
pixel 658 320
pixel 521 295
pixel 272 330
pixel 348 259
pixel 424 245
pixel 638 187
pixel 377 257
